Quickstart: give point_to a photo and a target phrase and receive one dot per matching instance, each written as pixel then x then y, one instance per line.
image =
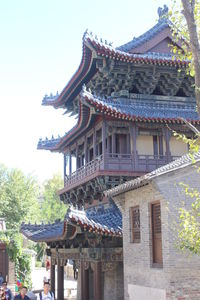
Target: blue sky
pixel 41 47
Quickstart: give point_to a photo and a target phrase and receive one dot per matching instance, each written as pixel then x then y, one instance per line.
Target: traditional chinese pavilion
pixel 128 101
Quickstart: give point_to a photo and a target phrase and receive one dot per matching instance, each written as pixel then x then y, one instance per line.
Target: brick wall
pixel 180 276
pixel 114 283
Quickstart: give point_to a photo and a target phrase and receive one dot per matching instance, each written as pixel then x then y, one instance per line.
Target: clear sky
pixel 41 48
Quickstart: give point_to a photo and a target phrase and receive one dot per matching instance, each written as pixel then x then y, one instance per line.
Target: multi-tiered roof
pixel 130 82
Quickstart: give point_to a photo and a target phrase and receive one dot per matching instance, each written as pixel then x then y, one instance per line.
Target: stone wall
pixel 79 284
pixel 11 272
pixel 114 283
pixel 180 275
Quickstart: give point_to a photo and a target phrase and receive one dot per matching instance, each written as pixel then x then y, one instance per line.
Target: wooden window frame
pixel 132 231
pixel 154 263
pixel 158 145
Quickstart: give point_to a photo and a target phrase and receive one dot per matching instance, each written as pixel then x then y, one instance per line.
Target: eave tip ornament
pixel 163 12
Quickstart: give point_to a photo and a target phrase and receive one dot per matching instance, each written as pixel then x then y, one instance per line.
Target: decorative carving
pixel 77 264
pixel 62 262
pixel 53 261
pixel 86 265
pixel 93 189
pixel 163 12
pixel 108 266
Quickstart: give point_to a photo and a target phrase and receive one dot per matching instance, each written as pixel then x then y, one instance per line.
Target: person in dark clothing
pixel 2 294
pixel 22 295
pixel 1 279
pixel 8 293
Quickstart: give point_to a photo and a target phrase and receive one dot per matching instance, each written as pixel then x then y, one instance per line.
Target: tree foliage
pixel 189 229
pixel 189 215
pixel 18 203
pixel 18 197
pixel 185 17
pixel 52 208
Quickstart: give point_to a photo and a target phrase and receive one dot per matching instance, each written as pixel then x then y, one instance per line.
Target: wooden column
pixel 113 142
pixel 60 281
pixel 108 144
pixel 85 150
pixel 128 143
pixel 65 166
pixel 52 277
pixel 70 163
pixel 77 166
pixel 133 137
pixel 94 143
pixel 84 282
pixel 104 142
pixel 103 137
pixel 167 141
pixel 97 281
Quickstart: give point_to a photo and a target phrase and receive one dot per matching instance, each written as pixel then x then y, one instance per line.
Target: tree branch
pixel 188 12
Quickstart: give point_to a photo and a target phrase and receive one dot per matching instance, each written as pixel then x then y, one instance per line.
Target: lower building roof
pixel 100 220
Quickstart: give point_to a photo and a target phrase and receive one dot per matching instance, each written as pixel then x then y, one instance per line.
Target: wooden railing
pixel 118 162
pixel 85 171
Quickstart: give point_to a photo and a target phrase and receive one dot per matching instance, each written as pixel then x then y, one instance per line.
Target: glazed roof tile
pixel 104 221
pixel 148 35
pixel 48 99
pixel 48 143
pixel 100 219
pixel 130 108
pixel 105 49
pixel 144 108
pixel 43 232
pixel 87 68
pixel 182 162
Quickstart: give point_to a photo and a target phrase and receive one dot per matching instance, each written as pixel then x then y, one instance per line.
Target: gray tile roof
pixel 43 232
pixel 48 143
pixel 146 108
pixel 101 220
pixel 48 99
pixel 148 35
pixel 182 162
pixel 104 48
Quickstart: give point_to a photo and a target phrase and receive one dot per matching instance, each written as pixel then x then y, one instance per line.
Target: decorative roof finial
pixel 163 12
pixel 84 88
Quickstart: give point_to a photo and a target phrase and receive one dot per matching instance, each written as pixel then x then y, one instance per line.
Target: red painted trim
pixel 103 108
pixel 84 63
pixel 104 51
pixel 114 54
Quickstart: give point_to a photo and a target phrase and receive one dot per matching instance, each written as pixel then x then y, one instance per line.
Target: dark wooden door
pixel 121 143
pixel 3 261
pixel 156 234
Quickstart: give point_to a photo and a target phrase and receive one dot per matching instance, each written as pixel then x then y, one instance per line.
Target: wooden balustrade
pixel 118 162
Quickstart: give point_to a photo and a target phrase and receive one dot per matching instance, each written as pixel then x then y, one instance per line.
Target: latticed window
pixel 156 234
pixel 135 224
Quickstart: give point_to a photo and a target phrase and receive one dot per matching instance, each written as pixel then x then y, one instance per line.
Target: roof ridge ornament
pixel 163 12
pixel 94 37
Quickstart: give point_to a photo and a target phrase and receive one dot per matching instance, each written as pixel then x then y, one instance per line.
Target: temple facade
pixel 128 101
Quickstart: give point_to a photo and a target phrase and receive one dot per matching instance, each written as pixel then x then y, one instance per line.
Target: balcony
pixel 116 165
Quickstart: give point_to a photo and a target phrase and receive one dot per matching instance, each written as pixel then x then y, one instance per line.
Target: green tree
pixel 52 208
pixel 189 215
pixel 18 203
pixel 18 197
pixel 185 16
